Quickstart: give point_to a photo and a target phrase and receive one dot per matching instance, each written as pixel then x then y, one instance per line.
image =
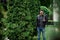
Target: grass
pixel 48 32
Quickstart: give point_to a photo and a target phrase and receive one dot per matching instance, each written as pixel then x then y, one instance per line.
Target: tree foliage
pixel 21 19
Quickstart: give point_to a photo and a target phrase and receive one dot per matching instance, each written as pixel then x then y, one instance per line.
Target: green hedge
pixel 21 19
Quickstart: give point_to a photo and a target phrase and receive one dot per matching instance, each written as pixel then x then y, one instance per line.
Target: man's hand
pixel 44 20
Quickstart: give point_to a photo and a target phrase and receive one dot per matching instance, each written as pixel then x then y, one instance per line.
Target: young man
pixel 41 22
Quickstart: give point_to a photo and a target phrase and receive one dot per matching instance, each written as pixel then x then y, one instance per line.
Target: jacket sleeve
pixel 37 21
pixel 46 18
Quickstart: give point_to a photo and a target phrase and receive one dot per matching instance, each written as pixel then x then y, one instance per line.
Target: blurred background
pixel 18 19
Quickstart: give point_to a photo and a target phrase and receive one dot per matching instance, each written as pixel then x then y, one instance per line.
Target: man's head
pixel 41 12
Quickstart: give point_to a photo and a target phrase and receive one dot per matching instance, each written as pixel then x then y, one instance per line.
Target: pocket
pixel 37 28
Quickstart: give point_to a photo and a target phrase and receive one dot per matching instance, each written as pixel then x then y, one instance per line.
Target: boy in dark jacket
pixel 41 22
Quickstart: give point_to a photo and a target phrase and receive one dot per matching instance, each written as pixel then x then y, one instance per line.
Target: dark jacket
pixel 40 22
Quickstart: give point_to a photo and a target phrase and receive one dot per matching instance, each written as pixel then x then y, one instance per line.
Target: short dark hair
pixel 41 10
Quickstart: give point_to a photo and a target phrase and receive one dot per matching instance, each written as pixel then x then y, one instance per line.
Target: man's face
pixel 41 12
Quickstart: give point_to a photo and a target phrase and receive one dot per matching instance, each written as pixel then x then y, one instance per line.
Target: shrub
pixel 21 18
